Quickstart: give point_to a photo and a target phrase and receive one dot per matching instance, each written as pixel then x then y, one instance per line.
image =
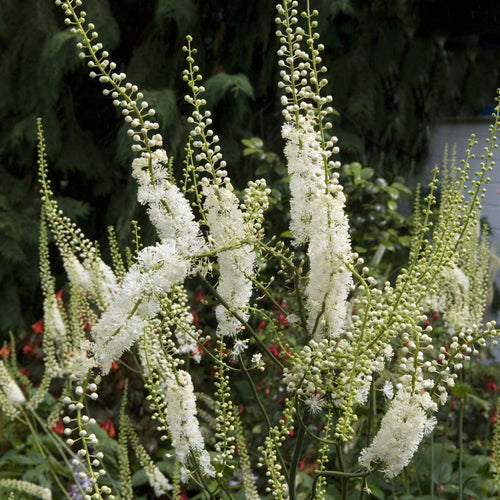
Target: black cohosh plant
pixel 330 337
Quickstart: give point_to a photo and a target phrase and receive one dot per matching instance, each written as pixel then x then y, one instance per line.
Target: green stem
pixel 432 465
pixel 43 452
pixel 250 330
pixel 345 476
pixel 262 408
pixel 297 451
pixel 460 448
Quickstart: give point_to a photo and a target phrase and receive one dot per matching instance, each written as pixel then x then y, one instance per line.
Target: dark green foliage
pixel 388 84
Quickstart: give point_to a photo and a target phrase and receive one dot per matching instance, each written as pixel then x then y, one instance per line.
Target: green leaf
pixel 461 390
pixel 401 187
pixel 182 13
pixel 253 143
pixel 221 84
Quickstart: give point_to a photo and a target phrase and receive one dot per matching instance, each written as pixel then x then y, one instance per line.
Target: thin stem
pixel 250 330
pixel 43 452
pixel 297 451
pixel 261 406
pixel 432 465
pixel 460 448
pixel 334 473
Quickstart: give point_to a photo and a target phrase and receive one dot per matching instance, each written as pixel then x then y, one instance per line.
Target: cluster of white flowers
pixel 401 431
pixel 183 424
pixel 317 212
pixel 26 487
pixel 450 296
pixel 236 264
pixel 305 166
pixel 93 277
pixel 157 480
pixel 329 251
pixel 157 269
pixel 168 209
pixel 13 397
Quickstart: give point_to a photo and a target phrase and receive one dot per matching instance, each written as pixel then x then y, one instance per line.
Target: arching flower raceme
pixel 401 431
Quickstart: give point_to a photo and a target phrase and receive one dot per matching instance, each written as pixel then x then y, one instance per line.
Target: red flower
pixel 25 371
pixel 200 296
pixel 59 294
pixel 282 319
pixel 38 326
pixel 196 319
pixel 109 427
pixel 491 385
pixel 87 326
pixel 114 366
pixel 275 349
pixel 493 417
pixel 5 351
pixel 261 325
pixel 29 348
pixel 58 427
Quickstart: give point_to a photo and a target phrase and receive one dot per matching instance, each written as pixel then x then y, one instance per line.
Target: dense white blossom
pixel 168 209
pixel 236 263
pixel 401 431
pixel 305 167
pixel 183 424
pixel 11 390
pixel 329 251
pixel 450 296
pixel 157 269
pixel 157 480
pixel 388 390
pixel 93 277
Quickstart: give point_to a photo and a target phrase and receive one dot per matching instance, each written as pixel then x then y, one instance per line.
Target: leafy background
pixel 395 67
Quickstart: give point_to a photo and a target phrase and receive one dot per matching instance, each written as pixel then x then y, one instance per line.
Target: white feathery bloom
pixel 93 277
pixel 450 296
pixel 183 425
pixel 315 403
pixel 78 364
pixel 157 269
pixel 388 390
pixel 78 276
pixel 103 279
pixel 157 480
pixel 168 209
pixel 11 390
pixel 363 391
pixel 329 251
pixel 401 431
pixel 236 265
pixel 305 167
pixel 54 326
pixel 27 487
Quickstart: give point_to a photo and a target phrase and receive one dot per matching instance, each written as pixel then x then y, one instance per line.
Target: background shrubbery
pixel 388 85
